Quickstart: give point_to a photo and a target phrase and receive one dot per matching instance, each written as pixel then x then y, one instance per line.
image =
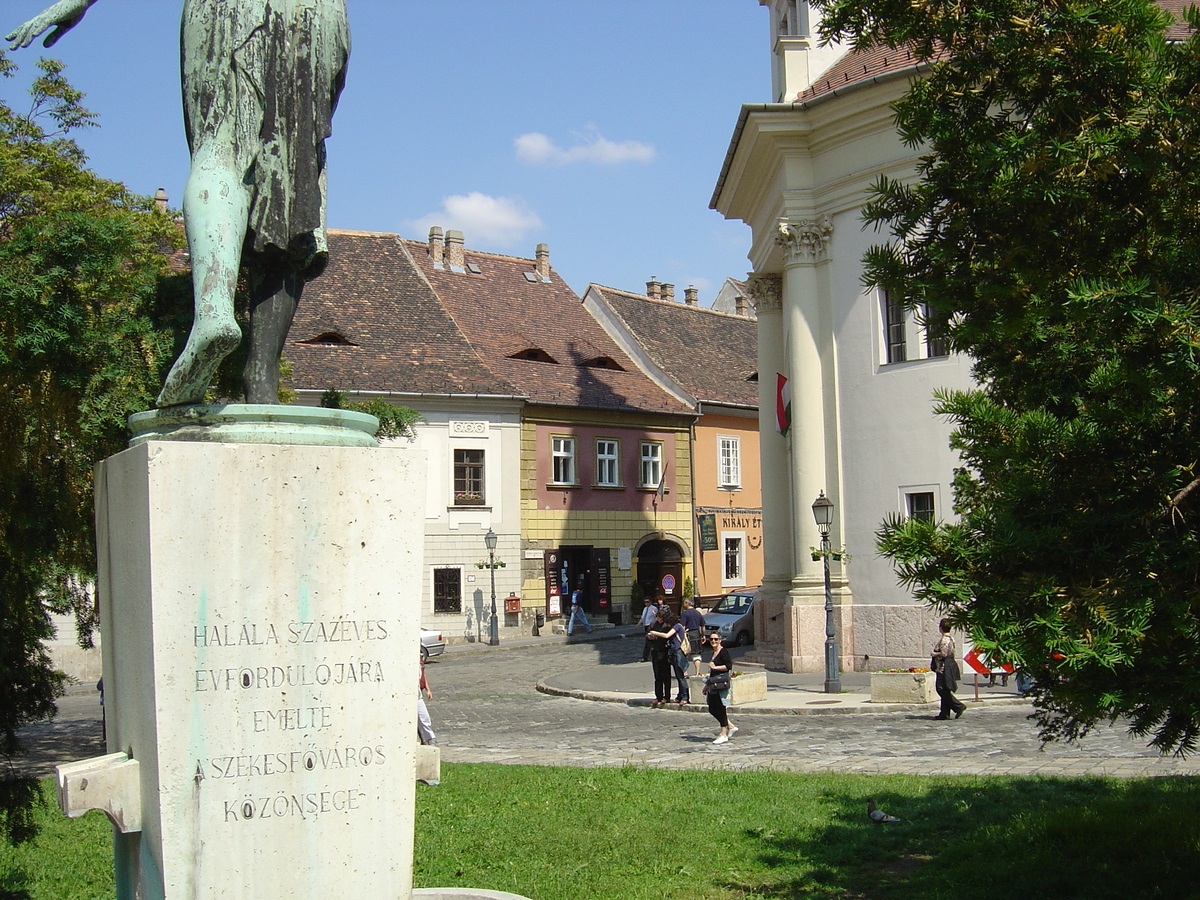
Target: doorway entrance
pixel 660 571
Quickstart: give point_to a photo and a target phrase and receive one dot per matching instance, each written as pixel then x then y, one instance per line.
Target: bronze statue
pixel 261 79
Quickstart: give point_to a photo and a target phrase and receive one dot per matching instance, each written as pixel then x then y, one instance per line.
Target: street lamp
pixel 490 540
pixel 823 513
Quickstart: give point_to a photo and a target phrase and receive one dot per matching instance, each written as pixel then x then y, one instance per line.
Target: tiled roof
pixel 382 318
pixel 503 313
pixel 712 355
pixel 854 67
pixel 397 336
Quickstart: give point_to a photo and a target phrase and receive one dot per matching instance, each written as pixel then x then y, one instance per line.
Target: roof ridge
pixel 489 253
pixel 671 303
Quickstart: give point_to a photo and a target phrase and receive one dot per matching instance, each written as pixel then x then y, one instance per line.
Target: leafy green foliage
pixel 394 421
pixel 83 293
pixel 1053 228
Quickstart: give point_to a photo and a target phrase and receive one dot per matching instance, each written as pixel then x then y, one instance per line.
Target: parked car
pixel 431 643
pixel 733 617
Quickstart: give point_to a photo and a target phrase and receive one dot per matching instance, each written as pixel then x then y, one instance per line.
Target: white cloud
pixel 499 221
pixel 537 149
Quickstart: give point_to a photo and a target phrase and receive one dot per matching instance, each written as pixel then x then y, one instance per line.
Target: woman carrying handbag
pixel 717 687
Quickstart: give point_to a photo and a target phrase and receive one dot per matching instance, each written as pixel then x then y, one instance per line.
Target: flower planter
pixel 903 687
pixel 747 688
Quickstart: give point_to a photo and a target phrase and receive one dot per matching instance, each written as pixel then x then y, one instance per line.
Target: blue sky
pixel 595 126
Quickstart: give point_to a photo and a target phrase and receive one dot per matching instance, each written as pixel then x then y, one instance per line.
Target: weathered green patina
pixel 261 79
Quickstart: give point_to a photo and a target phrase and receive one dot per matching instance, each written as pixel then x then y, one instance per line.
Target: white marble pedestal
pixel 260 611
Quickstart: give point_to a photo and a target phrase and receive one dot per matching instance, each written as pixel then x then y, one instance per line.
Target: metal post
pixel 833 680
pixel 494 640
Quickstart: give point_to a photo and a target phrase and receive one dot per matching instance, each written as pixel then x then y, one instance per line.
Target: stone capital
pixel 767 291
pixel 805 241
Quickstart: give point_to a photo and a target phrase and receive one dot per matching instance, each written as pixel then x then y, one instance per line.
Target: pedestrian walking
pixel 717 687
pixel 693 623
pixel 424 723
pixel 946 682
pixel 649 611
pixel 660 659
pixel 577 609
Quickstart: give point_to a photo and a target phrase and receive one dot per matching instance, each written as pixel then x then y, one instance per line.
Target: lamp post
pixel 823 513
pixel 490 540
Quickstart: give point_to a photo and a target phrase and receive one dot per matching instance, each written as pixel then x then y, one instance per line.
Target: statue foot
pixel 192 373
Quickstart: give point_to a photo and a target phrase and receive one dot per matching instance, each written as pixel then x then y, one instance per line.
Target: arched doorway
pixel 660 571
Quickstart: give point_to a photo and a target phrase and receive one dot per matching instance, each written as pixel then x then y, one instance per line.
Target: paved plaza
pixel 487 708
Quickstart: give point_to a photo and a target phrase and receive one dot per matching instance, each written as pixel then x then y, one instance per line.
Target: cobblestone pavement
pixel 486 710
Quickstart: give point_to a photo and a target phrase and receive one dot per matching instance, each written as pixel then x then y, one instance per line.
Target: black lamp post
pixel 823 513
pixel 490 540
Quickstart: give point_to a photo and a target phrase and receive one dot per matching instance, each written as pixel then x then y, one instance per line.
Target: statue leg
pixel 215 209
pixel 275 297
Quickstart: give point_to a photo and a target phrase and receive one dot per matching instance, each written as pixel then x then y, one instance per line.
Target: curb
pixel 862 709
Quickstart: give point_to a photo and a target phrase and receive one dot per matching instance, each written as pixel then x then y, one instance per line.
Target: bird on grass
pixel 877 815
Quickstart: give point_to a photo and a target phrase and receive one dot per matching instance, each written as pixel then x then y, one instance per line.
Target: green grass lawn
pixel 644 833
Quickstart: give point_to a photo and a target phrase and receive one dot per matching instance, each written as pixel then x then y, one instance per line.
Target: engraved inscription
pixel 263 765
pixel 248 678
pixel 289 697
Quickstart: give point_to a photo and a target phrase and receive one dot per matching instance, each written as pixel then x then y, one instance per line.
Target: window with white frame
pixel 468 477
pixel 563 452
pixel 935 325
pixel 652 463
pixel 608 463
pixel 895 340
pixel 729 465
pixel 447 590
pixel 920 505
pixel 733 572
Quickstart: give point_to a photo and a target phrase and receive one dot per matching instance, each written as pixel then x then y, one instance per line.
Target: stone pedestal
pixel 260 610
pixel 748 687
pixel 903 687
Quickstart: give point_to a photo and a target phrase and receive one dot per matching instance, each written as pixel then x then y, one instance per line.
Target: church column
pixel 770 644
pixel 807 321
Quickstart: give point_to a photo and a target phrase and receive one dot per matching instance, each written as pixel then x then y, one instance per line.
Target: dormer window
pixel 534 354
pixel 329 339
pixel 602 362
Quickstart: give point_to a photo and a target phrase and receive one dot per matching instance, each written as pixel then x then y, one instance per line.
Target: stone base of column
pixel 804 649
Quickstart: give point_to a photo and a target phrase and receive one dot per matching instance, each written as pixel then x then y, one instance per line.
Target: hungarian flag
pixel 783 405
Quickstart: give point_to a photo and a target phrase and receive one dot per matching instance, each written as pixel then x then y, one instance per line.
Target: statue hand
pixel 64 15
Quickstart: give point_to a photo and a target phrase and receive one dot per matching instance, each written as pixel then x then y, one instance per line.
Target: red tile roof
pixel 712 355
pixel 503 313
pixel 382 318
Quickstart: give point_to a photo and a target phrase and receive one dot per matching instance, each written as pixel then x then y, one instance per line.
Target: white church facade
pixel 861 372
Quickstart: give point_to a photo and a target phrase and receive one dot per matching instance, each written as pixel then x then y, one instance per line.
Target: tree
pixel 86 298
pixel 1053 231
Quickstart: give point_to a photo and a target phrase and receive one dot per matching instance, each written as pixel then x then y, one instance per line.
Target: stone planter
pixel 903 687
pixel 748 687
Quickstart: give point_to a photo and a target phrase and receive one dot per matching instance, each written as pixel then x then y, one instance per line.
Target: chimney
pixel 436 248
pixel 668 292
pixel 654 289
pixel 691 296
pixel 740 302
pixel 454 251
pixel 542 266
pixel 160 200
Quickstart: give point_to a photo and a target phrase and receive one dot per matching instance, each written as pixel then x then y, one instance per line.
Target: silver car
pixel 733 617
pixel 431 643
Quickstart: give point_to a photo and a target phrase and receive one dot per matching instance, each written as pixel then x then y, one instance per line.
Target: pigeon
pixel 878 816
